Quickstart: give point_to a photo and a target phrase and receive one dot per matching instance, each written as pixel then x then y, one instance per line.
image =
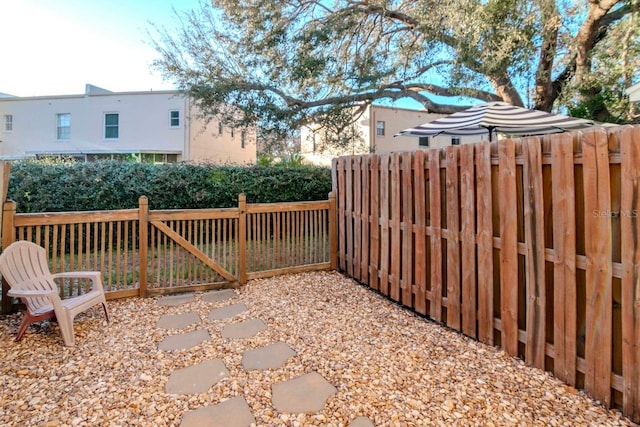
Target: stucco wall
pixel 208 145
pixel 395 120
pixel 144 127
pixel 143 123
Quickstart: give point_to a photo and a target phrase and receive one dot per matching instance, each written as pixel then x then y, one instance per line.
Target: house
pixel 634 92
pixel 149 126
pixel 374 133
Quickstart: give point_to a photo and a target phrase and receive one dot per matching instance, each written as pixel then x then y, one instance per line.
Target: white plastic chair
pixel 24 266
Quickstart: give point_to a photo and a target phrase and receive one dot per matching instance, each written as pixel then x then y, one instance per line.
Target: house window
pixel 63 127
pixel 455 141
pixel 174 118
pixel 232 133
pixel 243 139
pixel 219 128
pixel 111 125
pixel 423 141
pixel 158 158
pixel 8 123
pixel 380 128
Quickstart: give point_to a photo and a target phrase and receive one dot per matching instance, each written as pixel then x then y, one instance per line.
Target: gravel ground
pixel 388 365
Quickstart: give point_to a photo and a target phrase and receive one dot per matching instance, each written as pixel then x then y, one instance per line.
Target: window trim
pixel 171 118
pixel 104 126
pixel 6 122
pixel 58 127
pixel 423 139
pixel 380 130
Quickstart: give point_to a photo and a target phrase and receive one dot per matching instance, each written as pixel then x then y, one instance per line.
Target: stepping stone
pixel 217 296
pixel 184 341
pixel 227 311
pixel 196 379
pixel 234 412
pixel 178 321
pixel 176 300
pixel 269 357
pixel 245 329
pixel 307 393
pixel 361 422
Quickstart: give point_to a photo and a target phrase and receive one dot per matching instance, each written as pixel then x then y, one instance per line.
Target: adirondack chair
pixel 24 266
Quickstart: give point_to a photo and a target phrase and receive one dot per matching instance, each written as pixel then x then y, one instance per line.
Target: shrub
pixel 105 185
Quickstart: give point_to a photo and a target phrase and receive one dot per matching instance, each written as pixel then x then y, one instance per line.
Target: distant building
pixel 150 126
pixel 634 92
pixel 374 133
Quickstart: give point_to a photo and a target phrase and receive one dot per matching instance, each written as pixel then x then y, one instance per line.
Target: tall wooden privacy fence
pixel 145 252
pixel 532 245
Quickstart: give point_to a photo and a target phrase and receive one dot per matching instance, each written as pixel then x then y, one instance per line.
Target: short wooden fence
pixel 532 245
pixel 146 252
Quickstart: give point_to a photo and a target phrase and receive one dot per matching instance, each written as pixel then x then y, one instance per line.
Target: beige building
pixel 634 92
pixel 151 126
pixel 374 133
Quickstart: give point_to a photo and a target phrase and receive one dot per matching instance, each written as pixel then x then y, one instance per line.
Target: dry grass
pixel 388 365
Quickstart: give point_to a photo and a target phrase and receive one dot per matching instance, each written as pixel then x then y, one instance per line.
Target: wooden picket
pixel 145 252
pixel 630 194
pixel 545 227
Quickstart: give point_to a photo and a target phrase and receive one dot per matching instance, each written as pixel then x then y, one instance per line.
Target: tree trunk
pixel 504 89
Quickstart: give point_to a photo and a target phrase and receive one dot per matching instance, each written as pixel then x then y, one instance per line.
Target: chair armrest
pixel 27 293
pixel 94 276
pixel 78 275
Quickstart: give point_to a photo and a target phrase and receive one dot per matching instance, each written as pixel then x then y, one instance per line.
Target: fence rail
pixel 531 245
pixel 145 252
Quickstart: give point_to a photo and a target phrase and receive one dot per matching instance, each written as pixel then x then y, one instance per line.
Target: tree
pixel 282 64
pixel 600 94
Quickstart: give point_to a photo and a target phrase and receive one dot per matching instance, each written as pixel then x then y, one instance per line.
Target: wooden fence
pixel 532 245
pixel 145 252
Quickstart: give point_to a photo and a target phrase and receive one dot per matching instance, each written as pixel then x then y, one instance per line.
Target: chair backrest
pixel 24 265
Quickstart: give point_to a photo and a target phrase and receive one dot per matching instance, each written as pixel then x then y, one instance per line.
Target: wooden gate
pixel 189 250
pixel 143 252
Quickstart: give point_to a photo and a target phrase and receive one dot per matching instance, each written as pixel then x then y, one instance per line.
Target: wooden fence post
pixel 242 238
pixel 8 236
pixel 5 169
pixel 333 231
pixel 143 218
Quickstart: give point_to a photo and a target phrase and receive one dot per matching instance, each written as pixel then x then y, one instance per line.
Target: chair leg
pixel 66 329
pixel 106 312
pixel 29 319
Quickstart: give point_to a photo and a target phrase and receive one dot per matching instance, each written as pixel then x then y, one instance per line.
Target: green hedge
pixel 104 185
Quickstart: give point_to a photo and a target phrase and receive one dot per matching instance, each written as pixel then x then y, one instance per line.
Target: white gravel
pixel 388 364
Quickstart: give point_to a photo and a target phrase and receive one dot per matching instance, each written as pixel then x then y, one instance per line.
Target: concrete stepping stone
pixel 184 341
pixel 176 300
pixel 218 296
pixel 178 321
pixel 197 378
pixel 269 357
pixel 227 311
pixel 361 422
pixel 245 329
pixel 234 412
pixel 307 393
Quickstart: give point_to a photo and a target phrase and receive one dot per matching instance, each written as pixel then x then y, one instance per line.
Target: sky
pixel 55 47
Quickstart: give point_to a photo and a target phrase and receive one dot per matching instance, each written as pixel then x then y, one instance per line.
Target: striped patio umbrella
pixel 498 117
